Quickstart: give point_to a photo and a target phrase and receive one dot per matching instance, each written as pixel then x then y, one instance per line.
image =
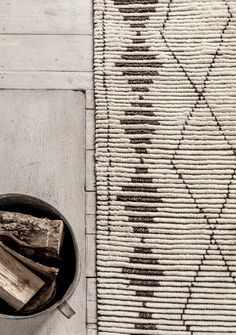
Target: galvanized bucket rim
pixel 73 285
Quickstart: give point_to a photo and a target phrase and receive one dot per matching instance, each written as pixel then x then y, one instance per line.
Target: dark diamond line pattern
pixel 201 96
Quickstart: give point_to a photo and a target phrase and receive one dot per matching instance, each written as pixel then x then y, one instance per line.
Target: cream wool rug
pixel 165 83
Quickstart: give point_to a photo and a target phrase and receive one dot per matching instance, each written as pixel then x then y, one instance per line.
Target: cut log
pixel 33 236
pixel 42 298
pixel 17 283
pixel 44 271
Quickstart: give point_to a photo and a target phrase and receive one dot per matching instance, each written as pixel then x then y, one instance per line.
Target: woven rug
pixel 165 84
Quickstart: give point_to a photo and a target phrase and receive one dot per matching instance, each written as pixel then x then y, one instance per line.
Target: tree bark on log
pixel 33 236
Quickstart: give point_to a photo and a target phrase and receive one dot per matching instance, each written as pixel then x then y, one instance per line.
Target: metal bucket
pixel 69 274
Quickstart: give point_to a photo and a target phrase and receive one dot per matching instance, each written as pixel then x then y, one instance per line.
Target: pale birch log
pixel 43 270
pixel 18 284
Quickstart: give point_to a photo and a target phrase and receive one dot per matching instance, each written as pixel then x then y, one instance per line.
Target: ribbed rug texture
pixel 165 87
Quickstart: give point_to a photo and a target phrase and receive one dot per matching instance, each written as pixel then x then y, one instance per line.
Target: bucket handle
pixel 66 310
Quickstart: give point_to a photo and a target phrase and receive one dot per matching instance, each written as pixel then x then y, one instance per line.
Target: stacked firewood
pixel 29 248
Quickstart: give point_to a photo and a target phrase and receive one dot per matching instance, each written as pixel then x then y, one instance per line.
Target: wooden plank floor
pixel 47 45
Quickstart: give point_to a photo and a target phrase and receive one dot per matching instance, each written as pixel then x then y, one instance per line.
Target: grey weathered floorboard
pixel 90 171
pixel 90 125
pixel 35 80
pixel 90 256
pixel 45 53
pixel 90 224
pixel 90 203
pixel 46 17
